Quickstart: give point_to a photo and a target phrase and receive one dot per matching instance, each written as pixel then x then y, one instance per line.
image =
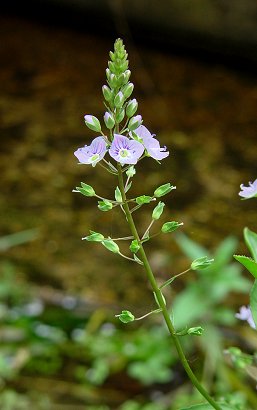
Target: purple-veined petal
pixel 151 144
pixel 125 151
pixel 93 153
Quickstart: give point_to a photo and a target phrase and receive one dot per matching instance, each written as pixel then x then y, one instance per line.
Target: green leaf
pixel 190 247
pixel 206 406
pixel 143 199
pixel 163 190
pixel 253 302
pixel 248 263
pixel 118 195
pixel 104 205
pixel 251 242
pixel 111 245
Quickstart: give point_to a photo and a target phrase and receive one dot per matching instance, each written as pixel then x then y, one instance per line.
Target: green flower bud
pixel 85 189
pixel 128 90
pixel 158 210
pixel 126 316
pixel 119 99
pixel 111 245
pixel 131 108
pixel 143 199
pixel 171 226
pixel 127 74
pixel 197 331
pixel 201 263
pixel 92 123
pixel 163 190
pixel 134 246
pixel 120 115
pixel 109 120
pixel 107 93
pixel 94 237
pixel 104 205
pixel 131 171
pixel 135 122
pixel 112 81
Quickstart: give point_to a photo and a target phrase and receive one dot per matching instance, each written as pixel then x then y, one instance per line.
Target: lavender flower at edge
pixel 250 191
pixel 246 314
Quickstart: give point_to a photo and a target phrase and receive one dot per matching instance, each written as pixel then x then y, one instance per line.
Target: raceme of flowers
pixel 123 149
pixel 250 191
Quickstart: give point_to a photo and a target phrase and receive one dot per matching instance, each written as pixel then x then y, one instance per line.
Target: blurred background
pixel 194 66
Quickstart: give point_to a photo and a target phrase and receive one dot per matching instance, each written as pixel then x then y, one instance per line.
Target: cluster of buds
pixel 128 140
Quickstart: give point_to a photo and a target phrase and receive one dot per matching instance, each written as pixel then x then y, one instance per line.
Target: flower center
pixel 124 153
pixel 94 157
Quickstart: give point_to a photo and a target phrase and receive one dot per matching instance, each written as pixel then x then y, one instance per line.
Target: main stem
pixel 159 296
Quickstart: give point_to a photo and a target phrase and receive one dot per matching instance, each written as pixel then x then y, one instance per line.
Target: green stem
pixel 159 296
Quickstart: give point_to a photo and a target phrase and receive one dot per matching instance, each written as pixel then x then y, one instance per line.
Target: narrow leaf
pixel 248 263
pixel 253 302
pixel 251 242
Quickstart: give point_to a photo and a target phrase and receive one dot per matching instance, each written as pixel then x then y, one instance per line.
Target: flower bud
pixel 143 199
pixel 109 120
pixel 134 246
pixel 158 210
pixel 163 190
pixel 128 90
pixel 126 316
pixel 94 237
pixel 118 100
pixel 92 123
pixel 131 108
pixel 112 81
pixel 104 205
pixel 111 245
pixel 120 115
pixel 135 122
pixel 131 171
pixel 107 93
pixel 201 263
pixel 127 74
pixel 170 226
pixel 85 189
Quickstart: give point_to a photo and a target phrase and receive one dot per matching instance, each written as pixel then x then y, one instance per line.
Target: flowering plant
pixel 249 313
pixel 127 142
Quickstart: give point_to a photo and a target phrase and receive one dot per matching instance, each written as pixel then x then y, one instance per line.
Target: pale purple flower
pixel 93 153
pixel 151 144
pixel 249 191
pixel 125 151
pixel 246 314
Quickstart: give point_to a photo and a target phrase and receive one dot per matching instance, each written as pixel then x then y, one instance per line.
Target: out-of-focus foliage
pixel 56 346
